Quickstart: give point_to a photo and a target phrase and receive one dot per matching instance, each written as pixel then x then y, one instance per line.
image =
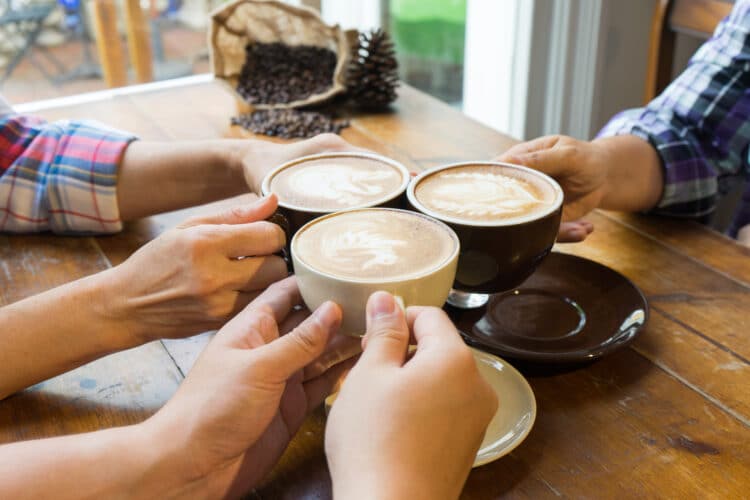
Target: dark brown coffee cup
pixel 298 215
pixel 498 256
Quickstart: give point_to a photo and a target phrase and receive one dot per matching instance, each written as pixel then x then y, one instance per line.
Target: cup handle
pixel 285 253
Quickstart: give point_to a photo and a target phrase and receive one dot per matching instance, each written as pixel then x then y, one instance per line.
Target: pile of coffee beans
pixel 289 123
pixel 275 73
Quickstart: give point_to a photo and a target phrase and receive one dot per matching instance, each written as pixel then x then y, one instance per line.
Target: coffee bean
pixel 289 123
pixel 275 73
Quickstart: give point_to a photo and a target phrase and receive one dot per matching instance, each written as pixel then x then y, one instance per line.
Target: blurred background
pixel 525 67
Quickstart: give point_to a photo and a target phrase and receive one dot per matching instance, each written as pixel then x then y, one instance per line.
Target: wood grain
pixel 32 264
pixel 430 132
pixel 120 389
pixel 668 416
pixel 688 290
pixel 660 52
pixel 721 253
pixel 601 432
pixel 118 112
pixel 610 431
pixel 698 17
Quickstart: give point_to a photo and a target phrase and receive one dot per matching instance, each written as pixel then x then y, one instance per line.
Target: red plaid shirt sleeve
pixel 59 176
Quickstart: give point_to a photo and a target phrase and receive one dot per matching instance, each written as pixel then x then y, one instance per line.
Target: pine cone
pixel 372 75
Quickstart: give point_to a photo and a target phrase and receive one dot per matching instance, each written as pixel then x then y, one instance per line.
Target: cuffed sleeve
pixel 59 176
pixel 700 124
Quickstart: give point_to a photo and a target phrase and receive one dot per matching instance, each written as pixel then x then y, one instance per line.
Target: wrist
pixel 173 463
pixel 157 461
pixel 229 155
pixel 109 305
pixel 634 180
pixel 251 160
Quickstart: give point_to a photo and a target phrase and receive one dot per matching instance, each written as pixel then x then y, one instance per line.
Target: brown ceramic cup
pixel 297 213
pixel 497 256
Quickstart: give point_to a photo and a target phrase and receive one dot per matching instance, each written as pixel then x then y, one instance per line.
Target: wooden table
pixel 668 416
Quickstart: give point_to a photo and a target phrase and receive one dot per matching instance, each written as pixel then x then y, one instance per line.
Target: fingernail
pixel 382 304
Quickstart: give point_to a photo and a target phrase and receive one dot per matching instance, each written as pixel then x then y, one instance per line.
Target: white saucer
pixel 516 410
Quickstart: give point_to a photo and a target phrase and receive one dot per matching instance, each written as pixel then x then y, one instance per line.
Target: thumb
pixel 238 214
pixel 300 347
pixel 387 337
pixel 553 162
pixel 547 154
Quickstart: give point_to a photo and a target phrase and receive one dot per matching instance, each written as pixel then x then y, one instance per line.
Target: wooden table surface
pixel 667 416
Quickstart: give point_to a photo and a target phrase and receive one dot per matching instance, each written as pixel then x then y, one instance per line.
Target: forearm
pixel 58 330
pixel 124 462
pixel 157 177
pixel 634 174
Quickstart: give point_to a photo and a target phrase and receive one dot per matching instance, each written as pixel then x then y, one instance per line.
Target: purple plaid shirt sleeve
pixel 59 176
pixel 700 124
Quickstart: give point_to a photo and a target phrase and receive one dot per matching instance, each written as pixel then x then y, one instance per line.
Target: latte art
pixel 374 245
pixel 340 184
pixel 330 184
pixel 482 193
pixel 365 247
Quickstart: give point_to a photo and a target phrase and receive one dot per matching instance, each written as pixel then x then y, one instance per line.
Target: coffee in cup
pixel 316 185
pixel 346 256
pixel 485 195
pixel 506 217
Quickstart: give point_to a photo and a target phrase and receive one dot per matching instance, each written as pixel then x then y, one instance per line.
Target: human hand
pixel 407 428
pixel 580 167
pixel 260 157
pixel 248 394
pixel 194 277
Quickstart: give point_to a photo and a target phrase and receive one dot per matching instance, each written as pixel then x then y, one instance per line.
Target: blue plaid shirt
pixel 700 124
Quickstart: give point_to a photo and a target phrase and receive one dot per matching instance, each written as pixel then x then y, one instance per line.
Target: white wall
pixel 498 41
pixel 531 65
pixel 623 56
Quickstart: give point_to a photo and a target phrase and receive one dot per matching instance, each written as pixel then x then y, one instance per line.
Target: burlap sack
pixel 238 23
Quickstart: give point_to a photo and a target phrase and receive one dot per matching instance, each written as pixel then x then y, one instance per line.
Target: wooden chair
pixel 111 54
pixel 697 18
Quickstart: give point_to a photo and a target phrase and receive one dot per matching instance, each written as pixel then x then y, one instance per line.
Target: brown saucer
pixel 571 310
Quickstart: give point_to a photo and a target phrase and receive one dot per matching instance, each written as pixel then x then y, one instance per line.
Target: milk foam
pixel 480 193
pixel 328 184
pixel 366 246
pixel 374 244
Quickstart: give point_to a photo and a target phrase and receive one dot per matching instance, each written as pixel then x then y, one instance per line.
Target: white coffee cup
pixel 429 287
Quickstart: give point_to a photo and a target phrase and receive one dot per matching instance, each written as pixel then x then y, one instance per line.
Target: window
pixel 429 37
